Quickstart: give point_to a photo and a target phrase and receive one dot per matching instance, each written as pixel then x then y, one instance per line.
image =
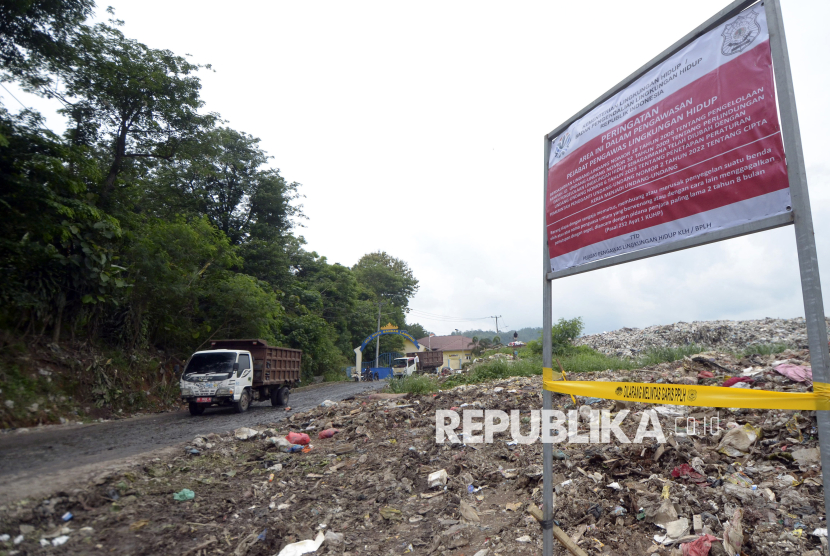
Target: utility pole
pixel 497 323
pixel 377 346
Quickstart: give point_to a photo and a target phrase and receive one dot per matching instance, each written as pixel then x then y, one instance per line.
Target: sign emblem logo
pixel 560 147
pixel 619 391
pixel 692 395
pixel 740 33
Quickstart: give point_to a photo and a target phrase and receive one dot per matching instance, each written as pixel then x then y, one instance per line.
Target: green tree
pixel 33 31
pixel 56 250
pixel 386 278
pixel 417 330
pixel 223 176
pixel 137 102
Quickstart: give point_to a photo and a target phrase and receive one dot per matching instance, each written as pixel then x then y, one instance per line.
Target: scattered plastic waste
pixel 303 547
pixel 184 494
pixel 437 479
pixel 686 471
pixel 298 438
pixel 733 535
pixel 698 547
pixel 740 479
pixel 796 373
pixel 244 433
pixel 736 442
pixel 328 433
pixel 328 403
pixel 730 382
pixel 67 516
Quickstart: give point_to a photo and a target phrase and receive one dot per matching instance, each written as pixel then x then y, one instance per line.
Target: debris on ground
pixel 725 481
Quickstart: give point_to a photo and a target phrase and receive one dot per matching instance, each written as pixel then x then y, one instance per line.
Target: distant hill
pixel 525 334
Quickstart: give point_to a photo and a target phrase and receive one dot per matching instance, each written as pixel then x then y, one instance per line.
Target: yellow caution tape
pixel 701 396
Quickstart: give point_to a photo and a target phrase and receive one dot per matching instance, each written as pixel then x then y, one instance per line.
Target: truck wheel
pixel 275 397
pixel 244 402
pixel 282 395
pixel 196 409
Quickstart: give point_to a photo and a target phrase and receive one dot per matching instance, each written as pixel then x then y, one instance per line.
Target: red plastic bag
pixel 298 438
pixel 705 374
pixel 686 471
pixel 328 433
pixel 700 547
pixel 736 379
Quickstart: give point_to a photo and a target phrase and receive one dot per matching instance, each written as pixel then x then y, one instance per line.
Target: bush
pixel 333 375
pixel 414 384
pixel 764 349
pixel 564 332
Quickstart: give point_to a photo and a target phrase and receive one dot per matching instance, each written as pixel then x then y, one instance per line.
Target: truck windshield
pixel 398 363
pixel 218 366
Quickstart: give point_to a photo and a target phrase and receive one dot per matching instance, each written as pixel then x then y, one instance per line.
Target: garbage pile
pixel 724 335
pixel 366 477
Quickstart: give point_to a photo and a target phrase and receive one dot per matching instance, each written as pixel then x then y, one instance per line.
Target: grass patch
pixel 764 349
pixel 583 359
pixel 335 376
pixel 654 356
pixel 414 384
pixel 495 370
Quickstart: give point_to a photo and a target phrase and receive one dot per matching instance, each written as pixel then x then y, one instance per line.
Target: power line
pixel 26 108
pixel 447 318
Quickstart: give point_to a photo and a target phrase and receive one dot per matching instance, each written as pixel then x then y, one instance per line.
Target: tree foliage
pixel 149 225
pixel 32 32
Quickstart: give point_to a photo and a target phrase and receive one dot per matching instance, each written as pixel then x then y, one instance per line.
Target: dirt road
pixel 35 462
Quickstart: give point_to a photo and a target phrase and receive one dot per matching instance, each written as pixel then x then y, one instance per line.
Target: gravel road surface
pixel 54 452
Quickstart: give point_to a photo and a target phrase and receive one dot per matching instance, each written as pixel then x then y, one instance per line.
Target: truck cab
pixel 218 377
pixel 403 366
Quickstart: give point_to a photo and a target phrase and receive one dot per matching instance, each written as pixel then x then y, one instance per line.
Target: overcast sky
pixel 417 128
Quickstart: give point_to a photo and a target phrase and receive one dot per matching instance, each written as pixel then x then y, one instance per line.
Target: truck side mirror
pixel 236 367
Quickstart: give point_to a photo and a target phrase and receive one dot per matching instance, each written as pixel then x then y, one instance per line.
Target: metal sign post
pixel 547 361
pixel 804 235
pixel 799 215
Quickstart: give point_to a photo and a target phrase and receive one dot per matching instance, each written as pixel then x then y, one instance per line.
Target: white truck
pixel 403 366
pixel 238 372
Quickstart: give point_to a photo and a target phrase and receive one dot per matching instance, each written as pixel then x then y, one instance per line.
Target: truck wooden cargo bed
pixel 272 365
pixel 429 359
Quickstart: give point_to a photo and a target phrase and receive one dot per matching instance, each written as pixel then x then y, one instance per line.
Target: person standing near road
pixel 417 361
